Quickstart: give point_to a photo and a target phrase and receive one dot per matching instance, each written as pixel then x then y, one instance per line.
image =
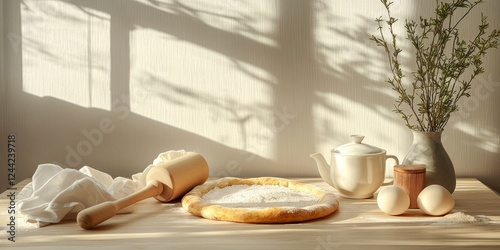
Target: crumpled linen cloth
pixel 57 193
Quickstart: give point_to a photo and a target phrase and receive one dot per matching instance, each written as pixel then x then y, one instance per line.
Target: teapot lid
pixel 355 147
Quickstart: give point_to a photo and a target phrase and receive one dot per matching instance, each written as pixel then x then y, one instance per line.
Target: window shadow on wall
pixel 278 102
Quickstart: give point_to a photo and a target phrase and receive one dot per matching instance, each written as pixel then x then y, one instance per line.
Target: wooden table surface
pixel 357 224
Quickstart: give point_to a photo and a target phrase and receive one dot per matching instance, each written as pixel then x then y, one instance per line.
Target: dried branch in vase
pixel 443 74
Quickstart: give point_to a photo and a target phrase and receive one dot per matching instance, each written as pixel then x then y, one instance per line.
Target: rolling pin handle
pixel 93 216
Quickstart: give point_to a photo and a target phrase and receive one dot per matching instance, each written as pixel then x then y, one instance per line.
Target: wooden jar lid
pixel 410 169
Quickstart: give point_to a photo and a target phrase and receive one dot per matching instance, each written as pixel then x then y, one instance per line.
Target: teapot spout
pixel 323 167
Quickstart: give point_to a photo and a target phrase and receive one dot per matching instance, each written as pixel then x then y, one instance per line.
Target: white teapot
pixel 357 170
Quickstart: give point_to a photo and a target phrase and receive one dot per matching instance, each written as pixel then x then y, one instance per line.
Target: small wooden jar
pixel 412 179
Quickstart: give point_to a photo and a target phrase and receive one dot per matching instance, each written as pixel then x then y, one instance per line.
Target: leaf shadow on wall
pixel 292 73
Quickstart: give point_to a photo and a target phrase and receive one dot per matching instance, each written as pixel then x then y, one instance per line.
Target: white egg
pixel 435 200
pixel 393 200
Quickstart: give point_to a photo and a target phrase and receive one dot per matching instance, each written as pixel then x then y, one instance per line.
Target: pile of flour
pixel 259 196
pixel 460 217
pixel 454 218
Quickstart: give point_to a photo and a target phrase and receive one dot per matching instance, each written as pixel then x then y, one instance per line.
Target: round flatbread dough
pixel 259 200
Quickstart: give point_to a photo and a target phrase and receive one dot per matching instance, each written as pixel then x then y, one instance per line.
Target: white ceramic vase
pixel 427 149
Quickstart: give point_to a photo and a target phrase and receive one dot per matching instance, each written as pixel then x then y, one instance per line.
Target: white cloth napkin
pixel 57 193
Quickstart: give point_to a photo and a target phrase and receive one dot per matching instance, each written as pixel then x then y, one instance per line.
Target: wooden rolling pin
pixel 165 182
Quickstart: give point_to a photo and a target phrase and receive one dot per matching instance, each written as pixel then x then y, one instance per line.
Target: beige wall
pixel 3 146
pixel 254 86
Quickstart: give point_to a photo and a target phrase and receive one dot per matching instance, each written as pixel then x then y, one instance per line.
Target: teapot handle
pixel 392 157
pixel 390 182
